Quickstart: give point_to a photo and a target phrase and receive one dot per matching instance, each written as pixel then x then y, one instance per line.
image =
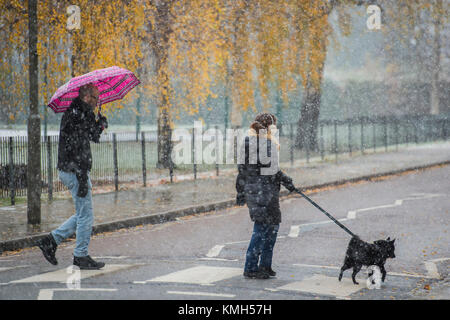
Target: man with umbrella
pixel 78 99
pixel 78 128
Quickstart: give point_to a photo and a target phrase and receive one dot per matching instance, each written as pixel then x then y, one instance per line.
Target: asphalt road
pixel 202 256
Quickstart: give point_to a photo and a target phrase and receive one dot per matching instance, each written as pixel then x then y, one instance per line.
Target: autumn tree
pixel 183 37
pixel 414 32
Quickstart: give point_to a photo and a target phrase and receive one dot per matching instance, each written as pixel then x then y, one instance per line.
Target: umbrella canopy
pixel 113 83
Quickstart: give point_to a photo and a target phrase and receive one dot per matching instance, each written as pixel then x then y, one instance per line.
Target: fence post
pixel 385 134
pixel 374 135
pixel 416 140
pixel 322 147
pixel 396 133
pixel 49 168
pixel 350 137
pixel 291 144
pixel 362 136
pixel 217 149
pixel 335 140
pixel 11 172
pixel 444 129
pixel 144 166
pixel 116 167
pixel 307 149
pixel 407 132
pixel 193 154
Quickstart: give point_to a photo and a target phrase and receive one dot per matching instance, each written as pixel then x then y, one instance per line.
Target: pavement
pixel 159 203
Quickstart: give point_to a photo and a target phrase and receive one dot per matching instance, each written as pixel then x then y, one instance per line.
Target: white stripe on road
pixel 47 294
pixel 295 230
pixel 62 275
pixel 293 233
pixel 324 285
pixel 411 275
pixel 209 294
pixel 218 259
pixel 203 275
pixel 432 270
pixel 10 268
pixel 215 251
pixel 399 202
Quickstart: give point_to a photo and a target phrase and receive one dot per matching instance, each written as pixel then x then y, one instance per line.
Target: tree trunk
pixel 162 32
pixel 34 123
pixel 436 59
pixel 309 119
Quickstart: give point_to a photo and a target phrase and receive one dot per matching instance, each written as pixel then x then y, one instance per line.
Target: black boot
pixel 87 263
pixel 256 275
pixel 48 246
pixel 269 271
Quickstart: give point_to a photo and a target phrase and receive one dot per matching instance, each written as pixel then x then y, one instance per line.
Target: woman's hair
pixel 263 121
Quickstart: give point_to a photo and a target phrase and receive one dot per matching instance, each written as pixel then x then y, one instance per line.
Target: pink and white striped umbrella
pixel 113 83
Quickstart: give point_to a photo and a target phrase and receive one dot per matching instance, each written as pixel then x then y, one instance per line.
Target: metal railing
pixel 121 158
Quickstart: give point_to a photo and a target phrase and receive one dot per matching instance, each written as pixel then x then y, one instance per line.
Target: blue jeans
pixel 261 247
pixel 81 222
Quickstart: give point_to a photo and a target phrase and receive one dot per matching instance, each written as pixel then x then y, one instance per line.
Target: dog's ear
pixel 393 241
pixel 389 238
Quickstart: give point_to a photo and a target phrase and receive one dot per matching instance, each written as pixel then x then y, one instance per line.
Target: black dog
pixel 360 253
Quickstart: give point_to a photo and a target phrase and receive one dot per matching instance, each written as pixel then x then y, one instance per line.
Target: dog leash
pixel 326 213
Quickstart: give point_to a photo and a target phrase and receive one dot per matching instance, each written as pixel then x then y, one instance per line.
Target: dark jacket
pixel 260 191
pixel 78 128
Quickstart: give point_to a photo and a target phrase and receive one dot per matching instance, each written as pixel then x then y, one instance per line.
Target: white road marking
pixel 47 294
pixel 439 259
pixel 218 259
pixel 61 275
pixel 398 274
pixel 295 230
pixel 432 269
pixel 324 285
pixel 315 266
pixel 111 257
pixel 189 293
pixel 215 251
pixel 399 202
pixel 10 268
pixel 237 242
pixel 204 275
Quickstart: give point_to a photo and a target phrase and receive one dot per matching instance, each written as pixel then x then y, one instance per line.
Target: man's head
pixel 89 94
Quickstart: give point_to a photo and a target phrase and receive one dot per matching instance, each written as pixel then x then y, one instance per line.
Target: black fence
pixel 130 158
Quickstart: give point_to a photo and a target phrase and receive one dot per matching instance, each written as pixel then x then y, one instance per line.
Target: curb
pixel 172 215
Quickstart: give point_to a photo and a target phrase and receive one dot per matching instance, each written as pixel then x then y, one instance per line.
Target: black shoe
pixel 269 271
pixel 256 275
pixel 87 263
pixel 48 246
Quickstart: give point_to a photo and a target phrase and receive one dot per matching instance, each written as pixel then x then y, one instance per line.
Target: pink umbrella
pixel 113 83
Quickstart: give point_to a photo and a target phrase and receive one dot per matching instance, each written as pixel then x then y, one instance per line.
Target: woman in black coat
pixel 258 184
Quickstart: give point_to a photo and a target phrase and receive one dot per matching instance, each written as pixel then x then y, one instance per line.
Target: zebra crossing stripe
pixel 202 275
